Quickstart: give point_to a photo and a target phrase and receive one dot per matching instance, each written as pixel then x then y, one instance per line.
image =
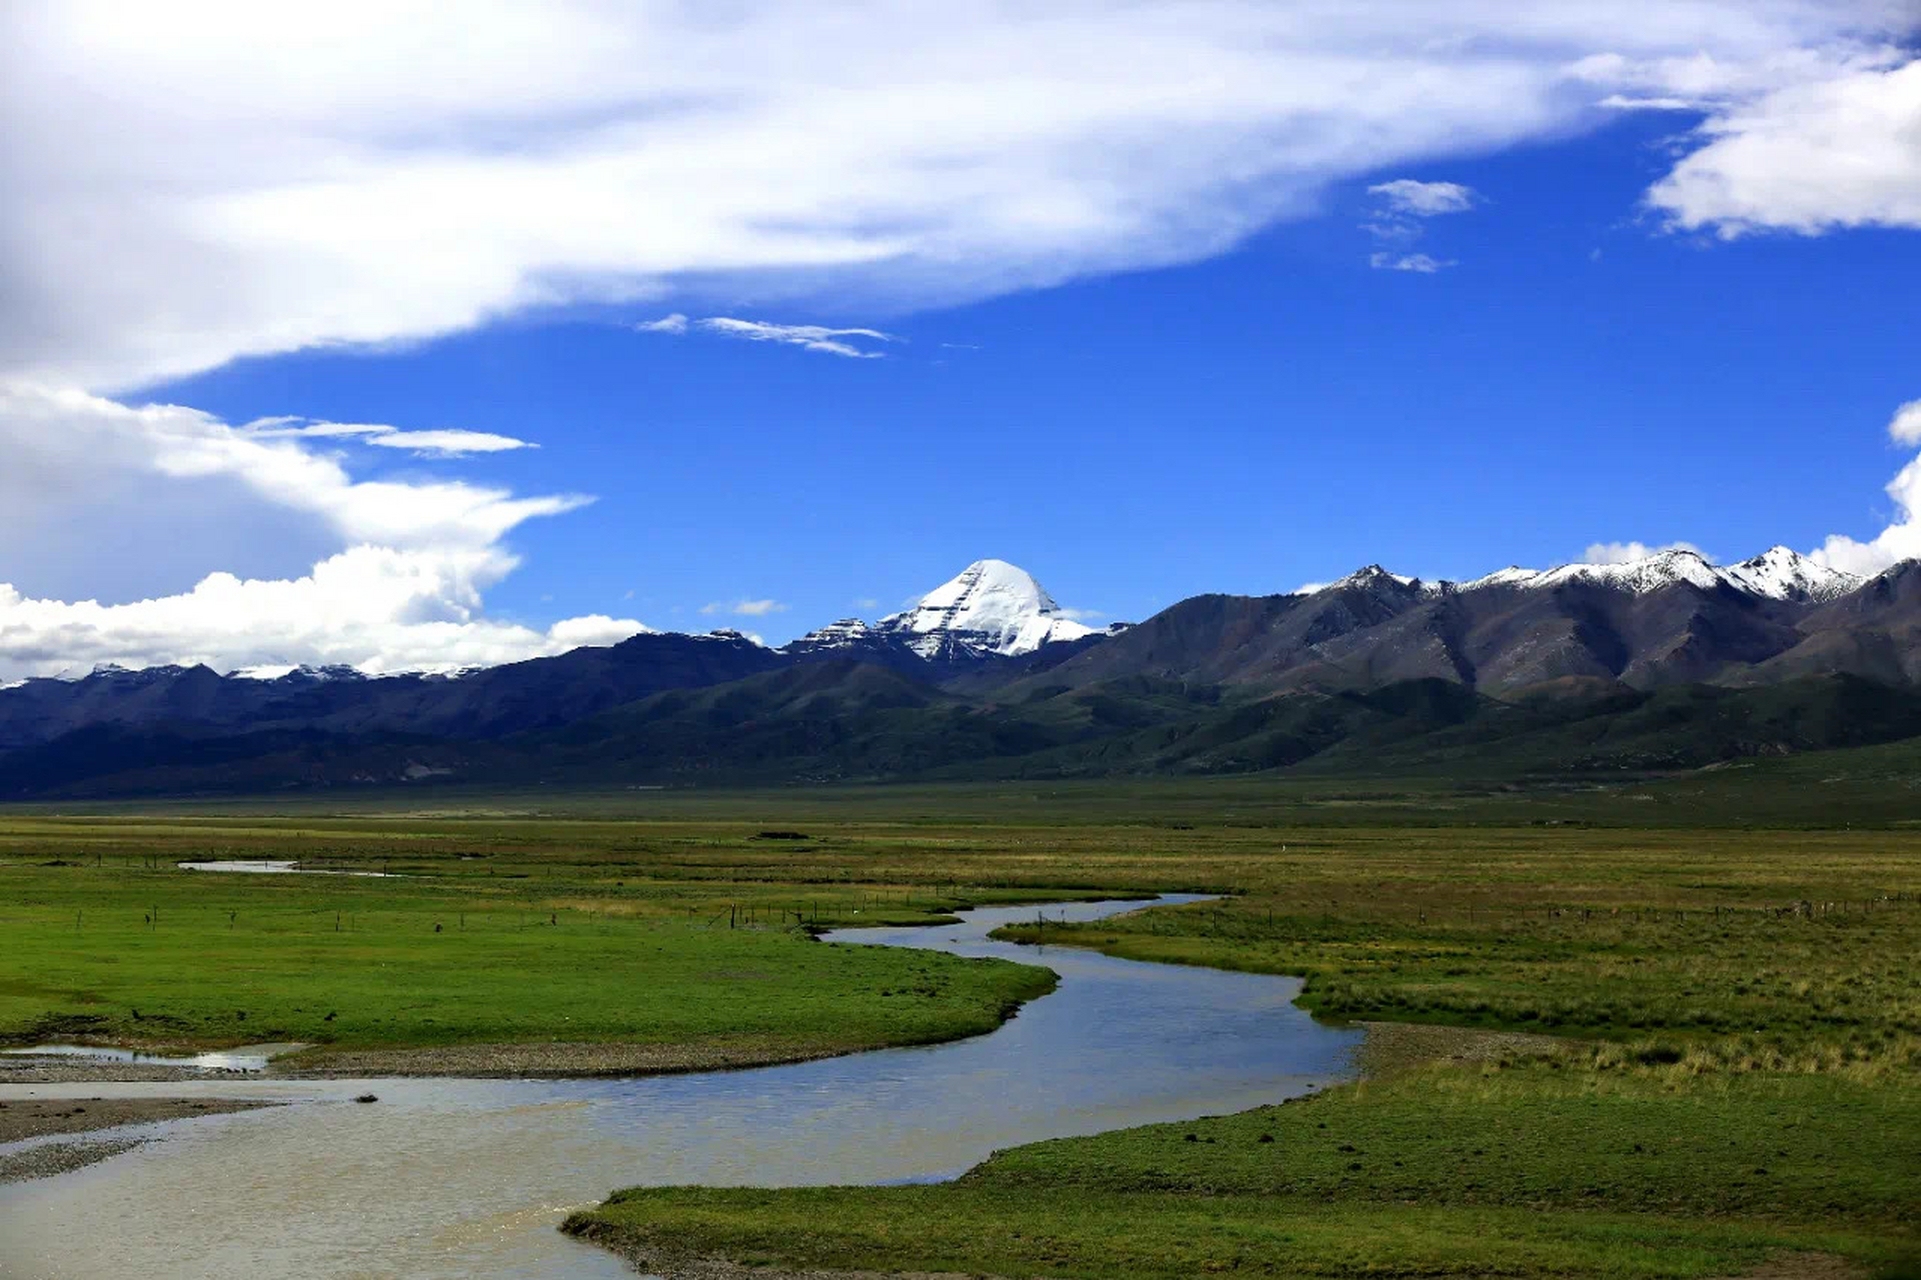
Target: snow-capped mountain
pixel 1781 574
pixel 1776 574
pixel 991 606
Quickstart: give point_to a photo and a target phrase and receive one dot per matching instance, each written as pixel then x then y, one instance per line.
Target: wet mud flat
pixel 23 1119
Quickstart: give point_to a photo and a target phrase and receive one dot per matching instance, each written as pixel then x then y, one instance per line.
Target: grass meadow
pixel 1730 1011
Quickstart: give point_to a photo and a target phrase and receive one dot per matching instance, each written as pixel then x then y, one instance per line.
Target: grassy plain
pixel 475 932
pixel 1739 1077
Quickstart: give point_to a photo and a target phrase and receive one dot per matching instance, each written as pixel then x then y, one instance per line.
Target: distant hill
pixel 1669 663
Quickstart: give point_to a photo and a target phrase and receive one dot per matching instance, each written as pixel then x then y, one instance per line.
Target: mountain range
pixel 1667 662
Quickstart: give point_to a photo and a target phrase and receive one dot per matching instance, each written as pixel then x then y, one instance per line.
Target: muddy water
pixel 458 1178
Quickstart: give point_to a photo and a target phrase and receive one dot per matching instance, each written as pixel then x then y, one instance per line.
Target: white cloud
pixel 1901 539
pixel 1406 204
pixel 1626 552
pixel 192 182
pixel 867 602
pixel 1905 426
pixel 1425 199
pixel 438 443
pixel 376 608
pixel 402 590
pixel 1416 262
pixel 1626 102
pixel 1393 232
pixel 1808 158
pixel 1309 588
pixel 744 608
pixel 1081 615
pixel 810 337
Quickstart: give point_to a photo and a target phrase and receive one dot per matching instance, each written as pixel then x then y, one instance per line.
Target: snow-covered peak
pixel 1374 578
pixel 1781 574
pixel 1651 573
pixel 1776 574
pixel 991 606
pixel 848 633
pixel 298 672
pixel 1512 576
pixel 1372 575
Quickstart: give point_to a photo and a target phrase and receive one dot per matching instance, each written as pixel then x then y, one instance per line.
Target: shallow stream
pixel 460 1178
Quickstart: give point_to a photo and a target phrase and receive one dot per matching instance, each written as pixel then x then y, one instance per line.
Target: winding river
pixel 462 1178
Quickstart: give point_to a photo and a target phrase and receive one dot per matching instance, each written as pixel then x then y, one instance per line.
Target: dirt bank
pixel 654 1262
pixel 488 1061
pixel 35 1118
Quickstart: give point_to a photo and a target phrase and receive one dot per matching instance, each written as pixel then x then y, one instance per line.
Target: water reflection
pixel 468 1178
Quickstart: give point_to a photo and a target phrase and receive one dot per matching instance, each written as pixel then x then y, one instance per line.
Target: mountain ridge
pixel 987 674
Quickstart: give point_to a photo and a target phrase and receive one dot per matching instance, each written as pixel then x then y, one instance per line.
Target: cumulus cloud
pixel 809 337
pixel 1901 540
pixel 376 608
pixel 1808 158
pixel 188 183
pixel 1905 426
pixel 402 590
pixel 1424 199
pixel 744 608
pixel 1626 552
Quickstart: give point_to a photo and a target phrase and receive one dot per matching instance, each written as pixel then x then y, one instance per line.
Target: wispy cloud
pixel 1419 199
pixel 1399 221
pixel 1628 102
pixel 1419 262
pixel 836 150
pixel 808 337
pixel 1081 615
pixel 743 608
pixel 440 443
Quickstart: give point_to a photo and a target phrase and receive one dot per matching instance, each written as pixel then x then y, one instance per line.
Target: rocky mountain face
pixel 1666 662
pixel 1668 619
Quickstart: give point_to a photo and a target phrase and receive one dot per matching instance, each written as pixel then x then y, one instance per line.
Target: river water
pixel 468 1178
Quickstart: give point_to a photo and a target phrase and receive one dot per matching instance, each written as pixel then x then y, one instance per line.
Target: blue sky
pixel 1627 335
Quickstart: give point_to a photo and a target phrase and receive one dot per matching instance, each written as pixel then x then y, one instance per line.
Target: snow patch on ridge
pixel 1776 574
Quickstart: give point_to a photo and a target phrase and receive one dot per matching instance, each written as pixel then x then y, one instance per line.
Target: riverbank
pixel 1543 1166
pixel 515 967
pixel 1561 1079
pixel 22 1119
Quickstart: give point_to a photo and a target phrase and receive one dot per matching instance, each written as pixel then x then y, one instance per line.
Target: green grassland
pixel 1737 1075
pixel 475 937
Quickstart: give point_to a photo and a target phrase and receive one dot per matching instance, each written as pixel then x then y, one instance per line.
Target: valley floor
pixel 1607 1050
